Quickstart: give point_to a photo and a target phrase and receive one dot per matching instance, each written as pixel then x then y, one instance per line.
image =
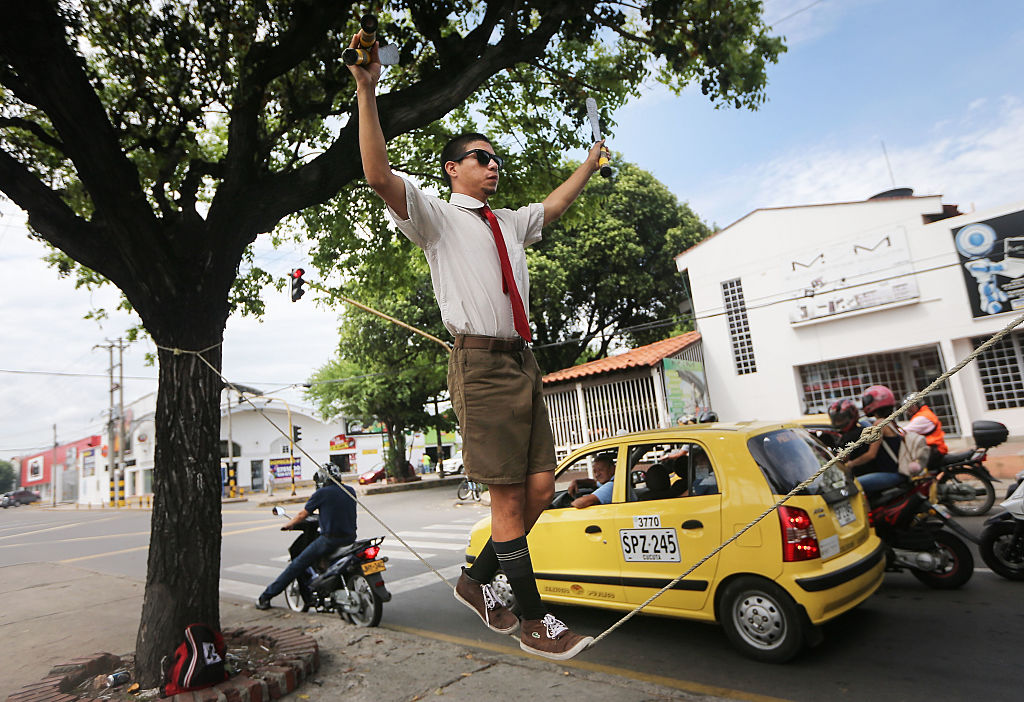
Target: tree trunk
pixel 183 575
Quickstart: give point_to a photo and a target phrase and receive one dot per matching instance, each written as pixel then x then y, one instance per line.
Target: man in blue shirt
pixel 604 475
pixel 337 507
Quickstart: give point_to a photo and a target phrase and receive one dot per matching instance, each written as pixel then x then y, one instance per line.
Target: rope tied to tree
pixel 868 435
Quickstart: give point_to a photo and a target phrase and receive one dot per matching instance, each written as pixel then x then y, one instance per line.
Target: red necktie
pixel 508 282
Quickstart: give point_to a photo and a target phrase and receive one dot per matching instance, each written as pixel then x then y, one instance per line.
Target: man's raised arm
pixel 565 194
pixel 372 146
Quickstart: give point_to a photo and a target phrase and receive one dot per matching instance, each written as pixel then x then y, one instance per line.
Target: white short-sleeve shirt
pixel 464 269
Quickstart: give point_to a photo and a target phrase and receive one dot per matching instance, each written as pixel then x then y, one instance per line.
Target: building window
pixel 903 372
pixel 35 469
pixel 739 327
pixel 999 368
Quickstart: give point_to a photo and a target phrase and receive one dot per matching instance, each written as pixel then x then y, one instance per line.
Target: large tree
pixel 607 275
pixel 152 143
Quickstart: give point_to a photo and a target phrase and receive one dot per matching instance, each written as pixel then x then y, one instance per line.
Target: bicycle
pixel 467 489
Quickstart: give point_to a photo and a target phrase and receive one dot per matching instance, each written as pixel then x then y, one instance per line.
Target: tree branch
pixel 32 38
pixel 54 219
pixel 35 129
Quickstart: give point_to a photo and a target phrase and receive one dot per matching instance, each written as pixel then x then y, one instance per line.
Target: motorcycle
pixel 348 581
pixel 920 536
pixel 964 483
pixel 1002 540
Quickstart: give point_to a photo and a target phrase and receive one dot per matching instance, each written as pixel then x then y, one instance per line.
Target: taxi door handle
pixel 593 529
pixel 693 524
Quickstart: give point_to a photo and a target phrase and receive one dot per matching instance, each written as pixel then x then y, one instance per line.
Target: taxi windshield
pixel 787 457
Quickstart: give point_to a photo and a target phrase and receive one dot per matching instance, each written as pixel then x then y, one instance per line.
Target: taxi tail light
pixel 370 552
pixel 799 540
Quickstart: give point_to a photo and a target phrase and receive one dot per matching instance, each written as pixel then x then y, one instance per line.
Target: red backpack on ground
pixel 198 661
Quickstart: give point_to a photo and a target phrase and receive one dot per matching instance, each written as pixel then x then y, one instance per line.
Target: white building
pixel 255 441
pixel 799 306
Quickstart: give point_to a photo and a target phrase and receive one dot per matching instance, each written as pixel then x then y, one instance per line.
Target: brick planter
pixel 295 656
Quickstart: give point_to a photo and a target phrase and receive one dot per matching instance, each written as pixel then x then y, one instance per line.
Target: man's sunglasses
pixel 484 157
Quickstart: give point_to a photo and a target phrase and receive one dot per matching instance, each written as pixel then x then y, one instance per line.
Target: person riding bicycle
pixel 877 468
pixel 337 506
pixel 923 421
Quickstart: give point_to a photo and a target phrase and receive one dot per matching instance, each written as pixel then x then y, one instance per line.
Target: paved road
pixel 906 643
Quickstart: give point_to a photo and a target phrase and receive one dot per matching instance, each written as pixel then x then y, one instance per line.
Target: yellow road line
pixel 108 553
pixel 62 526
pixel 130 533
pixel 686 685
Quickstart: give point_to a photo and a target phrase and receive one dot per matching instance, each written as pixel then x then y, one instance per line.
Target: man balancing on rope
pixel 478 268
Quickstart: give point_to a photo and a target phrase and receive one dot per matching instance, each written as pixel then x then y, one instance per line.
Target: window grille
pixel 902 372
pixel 739 327
pixel 563 411
pixel 625 405
pixel 1000 371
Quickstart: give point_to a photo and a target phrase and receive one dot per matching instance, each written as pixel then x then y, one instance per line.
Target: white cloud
pixel 976 158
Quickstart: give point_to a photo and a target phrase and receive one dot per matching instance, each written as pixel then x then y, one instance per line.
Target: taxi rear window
pixel 787 457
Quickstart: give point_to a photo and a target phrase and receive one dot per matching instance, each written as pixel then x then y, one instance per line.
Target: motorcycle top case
pixel 988 434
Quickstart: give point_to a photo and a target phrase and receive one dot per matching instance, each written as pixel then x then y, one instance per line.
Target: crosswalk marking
pixel 437 545
pixel 422 580
pixel 434 535
pixel 253 569
pixel 235 587
pixel 404 555
pixel 428 542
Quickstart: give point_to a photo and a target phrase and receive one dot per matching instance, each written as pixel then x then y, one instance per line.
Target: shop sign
pixel 992 258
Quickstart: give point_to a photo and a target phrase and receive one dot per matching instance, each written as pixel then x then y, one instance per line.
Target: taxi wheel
pixel 761 620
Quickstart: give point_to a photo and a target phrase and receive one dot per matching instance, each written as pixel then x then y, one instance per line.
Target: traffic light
pixel 297 283
pixel 296 434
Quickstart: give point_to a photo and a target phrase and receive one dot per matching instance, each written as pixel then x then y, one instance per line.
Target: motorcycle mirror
pixel 279 511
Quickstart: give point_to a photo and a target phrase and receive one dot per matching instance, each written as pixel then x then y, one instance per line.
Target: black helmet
pixel 843 414
pixel 327 474
pixel 707 416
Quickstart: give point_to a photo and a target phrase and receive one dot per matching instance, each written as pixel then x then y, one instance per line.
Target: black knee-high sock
pixel 485 565
pixel 514 558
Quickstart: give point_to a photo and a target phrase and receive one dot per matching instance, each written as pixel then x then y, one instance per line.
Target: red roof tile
pixel 636 358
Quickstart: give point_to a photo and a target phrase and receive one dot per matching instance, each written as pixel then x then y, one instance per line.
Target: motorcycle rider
pixel 876 468
pixel 337 505
pixel 844 415
pixel 923 421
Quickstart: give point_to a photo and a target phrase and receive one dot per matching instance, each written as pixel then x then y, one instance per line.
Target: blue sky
pixel 938 81
pixel 931 79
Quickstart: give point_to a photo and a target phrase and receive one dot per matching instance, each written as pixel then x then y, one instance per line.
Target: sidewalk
pixel 54 613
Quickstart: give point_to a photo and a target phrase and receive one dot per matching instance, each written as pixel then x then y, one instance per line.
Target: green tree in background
pixel 152 143
pixel 8 478
pixel 607 274
pixel 383 371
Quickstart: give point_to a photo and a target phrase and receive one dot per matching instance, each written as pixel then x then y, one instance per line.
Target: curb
pixel 296 657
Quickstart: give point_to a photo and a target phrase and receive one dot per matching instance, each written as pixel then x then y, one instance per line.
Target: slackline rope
pixel 868 435
pixel 285 434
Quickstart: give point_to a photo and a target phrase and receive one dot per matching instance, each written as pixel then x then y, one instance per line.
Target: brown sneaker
pixel 481 599
pixel 551 638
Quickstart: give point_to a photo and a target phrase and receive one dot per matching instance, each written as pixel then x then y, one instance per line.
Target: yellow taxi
pixel 676 495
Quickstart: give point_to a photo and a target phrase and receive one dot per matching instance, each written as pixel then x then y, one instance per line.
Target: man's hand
pixel 594 157
pixel 366 76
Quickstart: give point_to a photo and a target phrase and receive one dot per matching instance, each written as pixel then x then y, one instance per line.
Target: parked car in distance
pixel 375 474
pixel 454 464
pixel 15 498
pixel 681 492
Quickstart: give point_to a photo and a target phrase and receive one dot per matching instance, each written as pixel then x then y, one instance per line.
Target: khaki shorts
pixel 497 397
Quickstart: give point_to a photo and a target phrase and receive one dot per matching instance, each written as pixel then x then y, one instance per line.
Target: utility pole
pixel 53 466
pixel 115 424
pixel 122 492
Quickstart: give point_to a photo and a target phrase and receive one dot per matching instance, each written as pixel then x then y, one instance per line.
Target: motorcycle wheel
pixel 370 607
pixel 1001 552
pixel 761 620
pixel 464 490
pixel 966 492
pixel 293 598
pixel 958 572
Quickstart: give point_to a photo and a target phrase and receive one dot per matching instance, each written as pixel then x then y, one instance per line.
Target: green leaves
pixel 606 275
